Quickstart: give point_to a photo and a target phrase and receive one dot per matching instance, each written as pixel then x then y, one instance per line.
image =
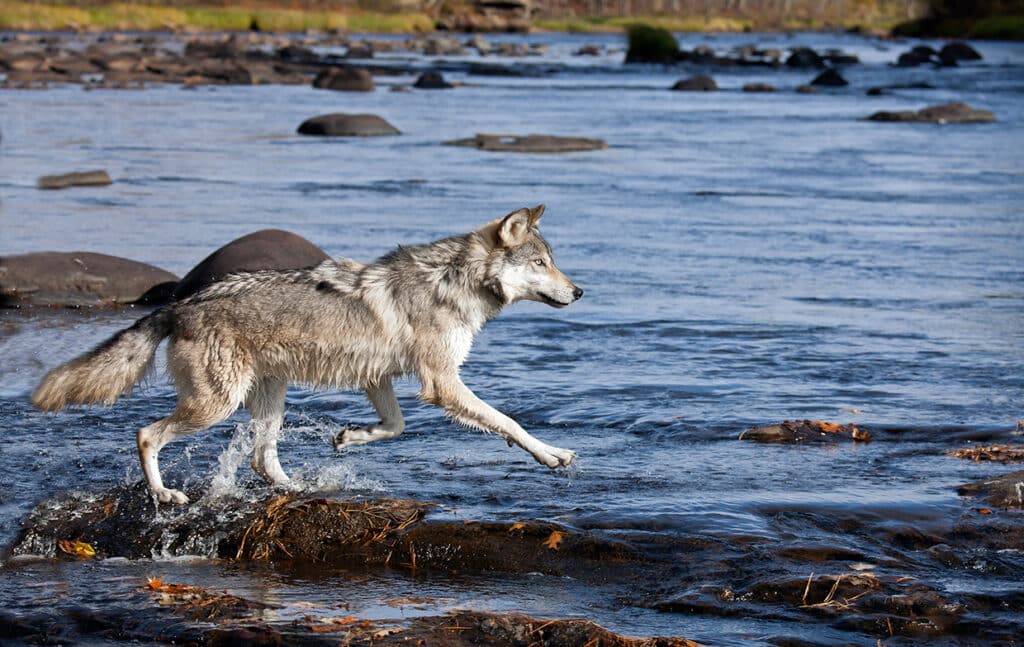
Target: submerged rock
pixel 830 78
pixel 345 78
pixel 529 143
pixel 696 84
pixel 758 87
pixel 432 80
pixel 78 178
pixel 267 249
pixel 948 113
pixel 340 124
pixel 795 431
pixel 958 51
pixel 1006 491
pixel 80 279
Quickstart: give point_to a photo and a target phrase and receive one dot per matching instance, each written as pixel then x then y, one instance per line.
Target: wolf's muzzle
pixel 576 294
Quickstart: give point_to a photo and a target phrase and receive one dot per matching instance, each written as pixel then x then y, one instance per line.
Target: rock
pixel 948 113
pixel 80 279
pixel 529 143
pixel 359 51
pixel 884 89
pixel 997 453
pixel 917 56
pixel 78 178
pixel 340 124
pixel 830 78
pixel 804 57
pixel 959 51
pixel 345 78
pixel 267 249
pixel 696 84
pixel 758 87
pixel 296 54
pixel 807 89
pixel 651 45
pixel 797 431
pixel 588 50
pixel 480 44
pixel 1006 491
pixel 432 80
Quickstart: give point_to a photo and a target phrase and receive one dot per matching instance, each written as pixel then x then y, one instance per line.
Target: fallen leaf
pixel 554 540
pixel 154 583
pixel 76 548
pixel 516 526
pixel 984 511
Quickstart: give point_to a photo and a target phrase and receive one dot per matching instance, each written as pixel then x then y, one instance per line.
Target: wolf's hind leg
pixel 266 404
pixel 185 420
pixel 382 397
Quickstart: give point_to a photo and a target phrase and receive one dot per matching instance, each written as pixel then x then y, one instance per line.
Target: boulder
pixel 804 57
pixel 958 51
pixel 345 78
pixel 588 50
pixel 696 84
pixel 798 431
pixel 72 279
pixel 948 113
pixel 758 87
pixel 78 178
pixel 917 56
pixel 830 78
pixel 651 45
pixel 1006 491
pixel 267 249
pixel 884 89
pixel 339 124
pixel 432 80
pixel 529 143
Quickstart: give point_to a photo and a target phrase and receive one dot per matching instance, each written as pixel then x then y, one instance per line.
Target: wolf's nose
pixel 576 294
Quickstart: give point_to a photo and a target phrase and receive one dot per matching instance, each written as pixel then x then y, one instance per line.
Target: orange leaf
pixel 154 583
pixel 984 511
pixel 76 548
pixel 554 540
pixel 516 526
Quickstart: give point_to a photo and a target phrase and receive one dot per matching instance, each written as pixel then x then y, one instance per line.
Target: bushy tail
pixel 107 372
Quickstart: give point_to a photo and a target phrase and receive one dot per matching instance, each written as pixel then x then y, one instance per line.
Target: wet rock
pixel 879 90
pixel 480 44
pixel 345 78
pixel 696 84
pixel 803 57
pixel 432 80
pixel 267 249
pixel 359 51
pixel 917 56
pixel 589 50
pixel 293 53
pixel 949 113
pixel 78 178
pixel 958 51
pixel 529 143
pixel 830 78
pixel 651 45
pixel 997 453
pixel 1006 491
pixel 758 87
pixel 340 124
pixel 796 431
pixel 80 279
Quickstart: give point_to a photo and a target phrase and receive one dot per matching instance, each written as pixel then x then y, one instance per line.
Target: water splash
pixel 224 481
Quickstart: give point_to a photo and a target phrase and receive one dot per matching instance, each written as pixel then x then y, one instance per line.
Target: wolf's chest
pixel 457 343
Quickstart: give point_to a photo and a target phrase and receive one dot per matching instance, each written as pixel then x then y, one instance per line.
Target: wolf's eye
pixel 539 262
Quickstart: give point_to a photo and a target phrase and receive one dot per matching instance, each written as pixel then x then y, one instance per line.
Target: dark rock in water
pixel 529 143
pixel 830 78
pixel 1006 491
pixel 948 113
pixel 696 84
pixel 589 50
pixel 918 56
pixel 267 249
pixel 340 124
pixel 79 178
pixel 359 50
pixel 796 431
pixel 804 57
pixel 345 78
pixel 758 87
pixel 958 51
pixel 432 80
pixel 995 453
pixel 296 54
pixel 80 279
pixel 884 89
pixel 651 45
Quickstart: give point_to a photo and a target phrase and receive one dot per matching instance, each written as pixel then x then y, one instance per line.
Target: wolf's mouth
pixel 551 302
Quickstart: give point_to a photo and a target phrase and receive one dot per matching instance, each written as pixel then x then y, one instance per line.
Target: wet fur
pixel 339 324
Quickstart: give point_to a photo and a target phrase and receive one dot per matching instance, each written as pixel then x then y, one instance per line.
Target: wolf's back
pixel 108 371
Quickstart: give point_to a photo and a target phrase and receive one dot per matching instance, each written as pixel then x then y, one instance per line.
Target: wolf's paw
pixel 555 457
pixel 167 495
pixel 350 437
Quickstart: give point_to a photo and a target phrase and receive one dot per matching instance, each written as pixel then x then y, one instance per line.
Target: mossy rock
pixel 651 45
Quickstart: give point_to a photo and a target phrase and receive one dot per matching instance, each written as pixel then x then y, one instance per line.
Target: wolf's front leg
pixel 459 401
pixel 382 397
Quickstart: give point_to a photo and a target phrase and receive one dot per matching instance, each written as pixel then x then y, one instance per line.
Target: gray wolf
pixel 342 323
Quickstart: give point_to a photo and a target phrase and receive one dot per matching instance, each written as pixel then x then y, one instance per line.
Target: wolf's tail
pixel 108 371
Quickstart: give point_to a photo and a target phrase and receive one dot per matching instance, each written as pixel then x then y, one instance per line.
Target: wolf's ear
pixel 514 227
pixel 535 214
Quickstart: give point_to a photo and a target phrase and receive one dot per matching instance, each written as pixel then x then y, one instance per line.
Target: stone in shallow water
pixel 78 178
pixel 795 431
pixel 339 124
pixel 1006 491
pixel 529 143
pixel 947 113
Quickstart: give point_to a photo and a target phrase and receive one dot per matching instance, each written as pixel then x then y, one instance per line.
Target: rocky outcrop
pixel 529 143
pixel 267 249
pixel 948 113
pixel 78 178
pixel 432 80
pixel 345 78
pixel 72 279
pixel 696 84
pixel 1006 491
pixel 340 124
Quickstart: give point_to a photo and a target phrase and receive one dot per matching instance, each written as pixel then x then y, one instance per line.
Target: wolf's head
pixel 520 262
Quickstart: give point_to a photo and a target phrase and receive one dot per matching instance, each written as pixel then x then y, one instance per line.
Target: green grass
pixel 668 23
pixel 27 15
pixel 999 28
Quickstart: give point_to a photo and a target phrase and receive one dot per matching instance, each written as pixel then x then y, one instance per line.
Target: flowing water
pixel 747 258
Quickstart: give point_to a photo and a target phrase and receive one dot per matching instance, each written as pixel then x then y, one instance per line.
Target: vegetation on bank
pixel 136 17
